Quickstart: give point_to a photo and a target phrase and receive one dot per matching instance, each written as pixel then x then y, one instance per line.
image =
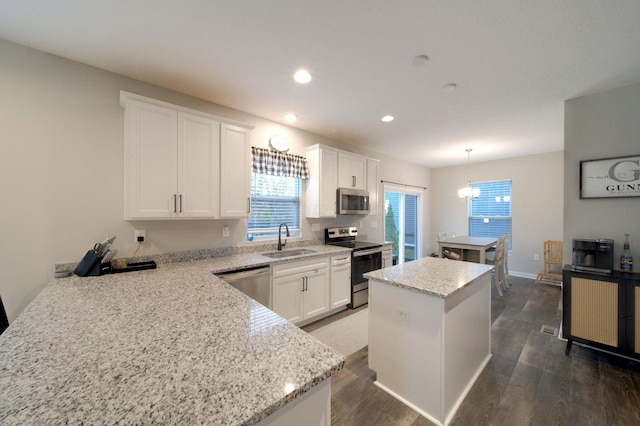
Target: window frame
pixel 471 218
pixel 271 234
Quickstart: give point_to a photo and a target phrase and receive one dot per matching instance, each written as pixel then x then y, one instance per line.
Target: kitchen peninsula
pixel 174 345
pixel 430 332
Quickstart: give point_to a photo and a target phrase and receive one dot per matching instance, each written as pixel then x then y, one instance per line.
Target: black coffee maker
pixel 593 255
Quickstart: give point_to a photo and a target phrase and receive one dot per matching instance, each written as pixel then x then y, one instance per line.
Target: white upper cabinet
pixel 372 185
pixel 330 169
pixel 198 159
pixel 323 181
pixel 173 164
pixel 235 169
pixel 352 171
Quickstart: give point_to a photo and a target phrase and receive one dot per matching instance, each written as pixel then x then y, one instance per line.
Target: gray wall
pixel 602 125
pixel 61 171
pixel 537 193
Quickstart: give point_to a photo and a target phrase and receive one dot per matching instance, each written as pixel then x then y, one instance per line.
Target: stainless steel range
pixel 365 257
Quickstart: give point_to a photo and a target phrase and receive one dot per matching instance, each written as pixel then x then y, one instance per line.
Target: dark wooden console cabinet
pixel 602 311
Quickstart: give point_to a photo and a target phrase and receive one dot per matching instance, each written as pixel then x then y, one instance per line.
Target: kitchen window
pixel 490 213
pixel 275 193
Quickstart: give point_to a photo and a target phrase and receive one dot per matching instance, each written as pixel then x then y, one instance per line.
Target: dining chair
pixel 505 256
pixel 4 321
pixel 498 263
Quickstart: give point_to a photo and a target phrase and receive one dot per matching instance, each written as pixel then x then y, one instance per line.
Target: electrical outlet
pixel 140 235
pixel 403 314
pixel 536 257
pixel 225 231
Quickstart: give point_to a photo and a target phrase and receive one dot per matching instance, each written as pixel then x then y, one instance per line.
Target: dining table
pixel 470 249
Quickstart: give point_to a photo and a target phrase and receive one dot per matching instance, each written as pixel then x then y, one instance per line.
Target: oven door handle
pixel 367 252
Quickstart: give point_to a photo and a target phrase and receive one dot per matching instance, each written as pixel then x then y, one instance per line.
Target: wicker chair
pixel 552 272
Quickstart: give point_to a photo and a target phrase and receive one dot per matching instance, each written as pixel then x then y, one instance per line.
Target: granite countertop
pixel 438 277
pixel 173 345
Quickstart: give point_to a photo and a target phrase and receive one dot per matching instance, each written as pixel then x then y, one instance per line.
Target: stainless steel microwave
pixel 352 201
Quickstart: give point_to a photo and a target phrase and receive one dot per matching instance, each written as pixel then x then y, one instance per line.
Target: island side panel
pixel 467 340
pixel 406 345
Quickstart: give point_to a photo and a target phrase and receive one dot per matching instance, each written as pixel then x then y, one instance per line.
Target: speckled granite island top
pixel 174 345
pixel 439 277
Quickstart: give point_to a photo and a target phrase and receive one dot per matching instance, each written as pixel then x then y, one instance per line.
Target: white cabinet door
pixel 352 171
pixel 322 183
pixel 150 161
pixel 288 297
pixel 372 185
pixel 341 285
pixel 198 159
pixel 387 255
pixel 316 295
pixel 235 169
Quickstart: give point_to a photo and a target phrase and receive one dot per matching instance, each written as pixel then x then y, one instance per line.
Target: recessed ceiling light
pixel 420 60
pixel 291 118
pixel 302 76
pixel 387 118
pixel 449 87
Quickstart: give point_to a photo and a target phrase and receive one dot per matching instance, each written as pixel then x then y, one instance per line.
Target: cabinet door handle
pixel 180 203
pixel 303 284
pixel 175 203
pixel 353 181
pixel 249 205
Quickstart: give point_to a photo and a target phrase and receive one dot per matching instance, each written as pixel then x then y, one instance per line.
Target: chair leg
pixel 498 277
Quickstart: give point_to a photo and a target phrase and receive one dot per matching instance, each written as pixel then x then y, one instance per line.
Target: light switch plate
pixel 225 231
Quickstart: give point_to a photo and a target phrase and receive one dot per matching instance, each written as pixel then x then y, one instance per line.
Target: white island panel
pixel 428 338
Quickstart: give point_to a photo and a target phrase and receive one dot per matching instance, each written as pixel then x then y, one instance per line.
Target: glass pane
pixel 410 227
pixel 392 219
pixel 274 200
pixel 490 213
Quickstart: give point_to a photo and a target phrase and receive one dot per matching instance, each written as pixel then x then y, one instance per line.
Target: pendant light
pixel 467 192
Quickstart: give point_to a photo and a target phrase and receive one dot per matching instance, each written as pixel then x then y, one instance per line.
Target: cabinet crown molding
pixel 125 97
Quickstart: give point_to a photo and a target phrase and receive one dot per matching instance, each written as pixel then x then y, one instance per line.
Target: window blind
pixel 490 213
pixel 274 200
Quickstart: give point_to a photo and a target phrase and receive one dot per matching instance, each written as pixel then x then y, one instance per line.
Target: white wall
pixel 61 171
pixel 537 192
pixel 602 125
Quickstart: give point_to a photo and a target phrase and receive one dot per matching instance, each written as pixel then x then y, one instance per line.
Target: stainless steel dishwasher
pixel 254 282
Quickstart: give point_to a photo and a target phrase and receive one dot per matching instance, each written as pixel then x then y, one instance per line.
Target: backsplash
pixel 186 256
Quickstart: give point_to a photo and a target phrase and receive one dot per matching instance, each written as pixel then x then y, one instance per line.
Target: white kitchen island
pixel 430 332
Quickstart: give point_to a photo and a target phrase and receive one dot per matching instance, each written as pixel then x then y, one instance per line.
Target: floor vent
pixel 547 329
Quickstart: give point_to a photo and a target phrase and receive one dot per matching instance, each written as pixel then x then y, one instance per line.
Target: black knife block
pixel 91 265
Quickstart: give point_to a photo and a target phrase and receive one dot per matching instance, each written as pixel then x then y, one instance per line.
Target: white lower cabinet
pixel 301 290
pixel 340 280
pixel 387 256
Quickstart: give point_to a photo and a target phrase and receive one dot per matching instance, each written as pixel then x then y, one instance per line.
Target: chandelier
pixel 467 192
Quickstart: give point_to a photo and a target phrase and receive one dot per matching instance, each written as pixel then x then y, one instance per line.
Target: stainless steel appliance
pixel 592 255
pixel 352 201
pixel 254 282
pixel 365 257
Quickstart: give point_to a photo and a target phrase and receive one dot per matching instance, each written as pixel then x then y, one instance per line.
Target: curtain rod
pixel 404 184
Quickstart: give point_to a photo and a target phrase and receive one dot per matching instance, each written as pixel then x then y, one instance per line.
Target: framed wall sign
pixel 610 177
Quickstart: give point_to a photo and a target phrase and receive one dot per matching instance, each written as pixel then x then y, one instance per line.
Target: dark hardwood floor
pixel 529 380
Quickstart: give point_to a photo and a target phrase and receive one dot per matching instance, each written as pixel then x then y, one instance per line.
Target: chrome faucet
pixel 280 243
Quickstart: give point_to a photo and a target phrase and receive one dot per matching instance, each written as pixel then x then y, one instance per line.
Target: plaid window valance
pixel 278 163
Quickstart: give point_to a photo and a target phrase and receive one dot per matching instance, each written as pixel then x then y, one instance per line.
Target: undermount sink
pixel 288 253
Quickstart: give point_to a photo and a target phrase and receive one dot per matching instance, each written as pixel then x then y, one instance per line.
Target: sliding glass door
pixel 402 223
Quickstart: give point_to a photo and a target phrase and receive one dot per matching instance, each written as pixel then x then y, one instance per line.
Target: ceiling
pixel 514 63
